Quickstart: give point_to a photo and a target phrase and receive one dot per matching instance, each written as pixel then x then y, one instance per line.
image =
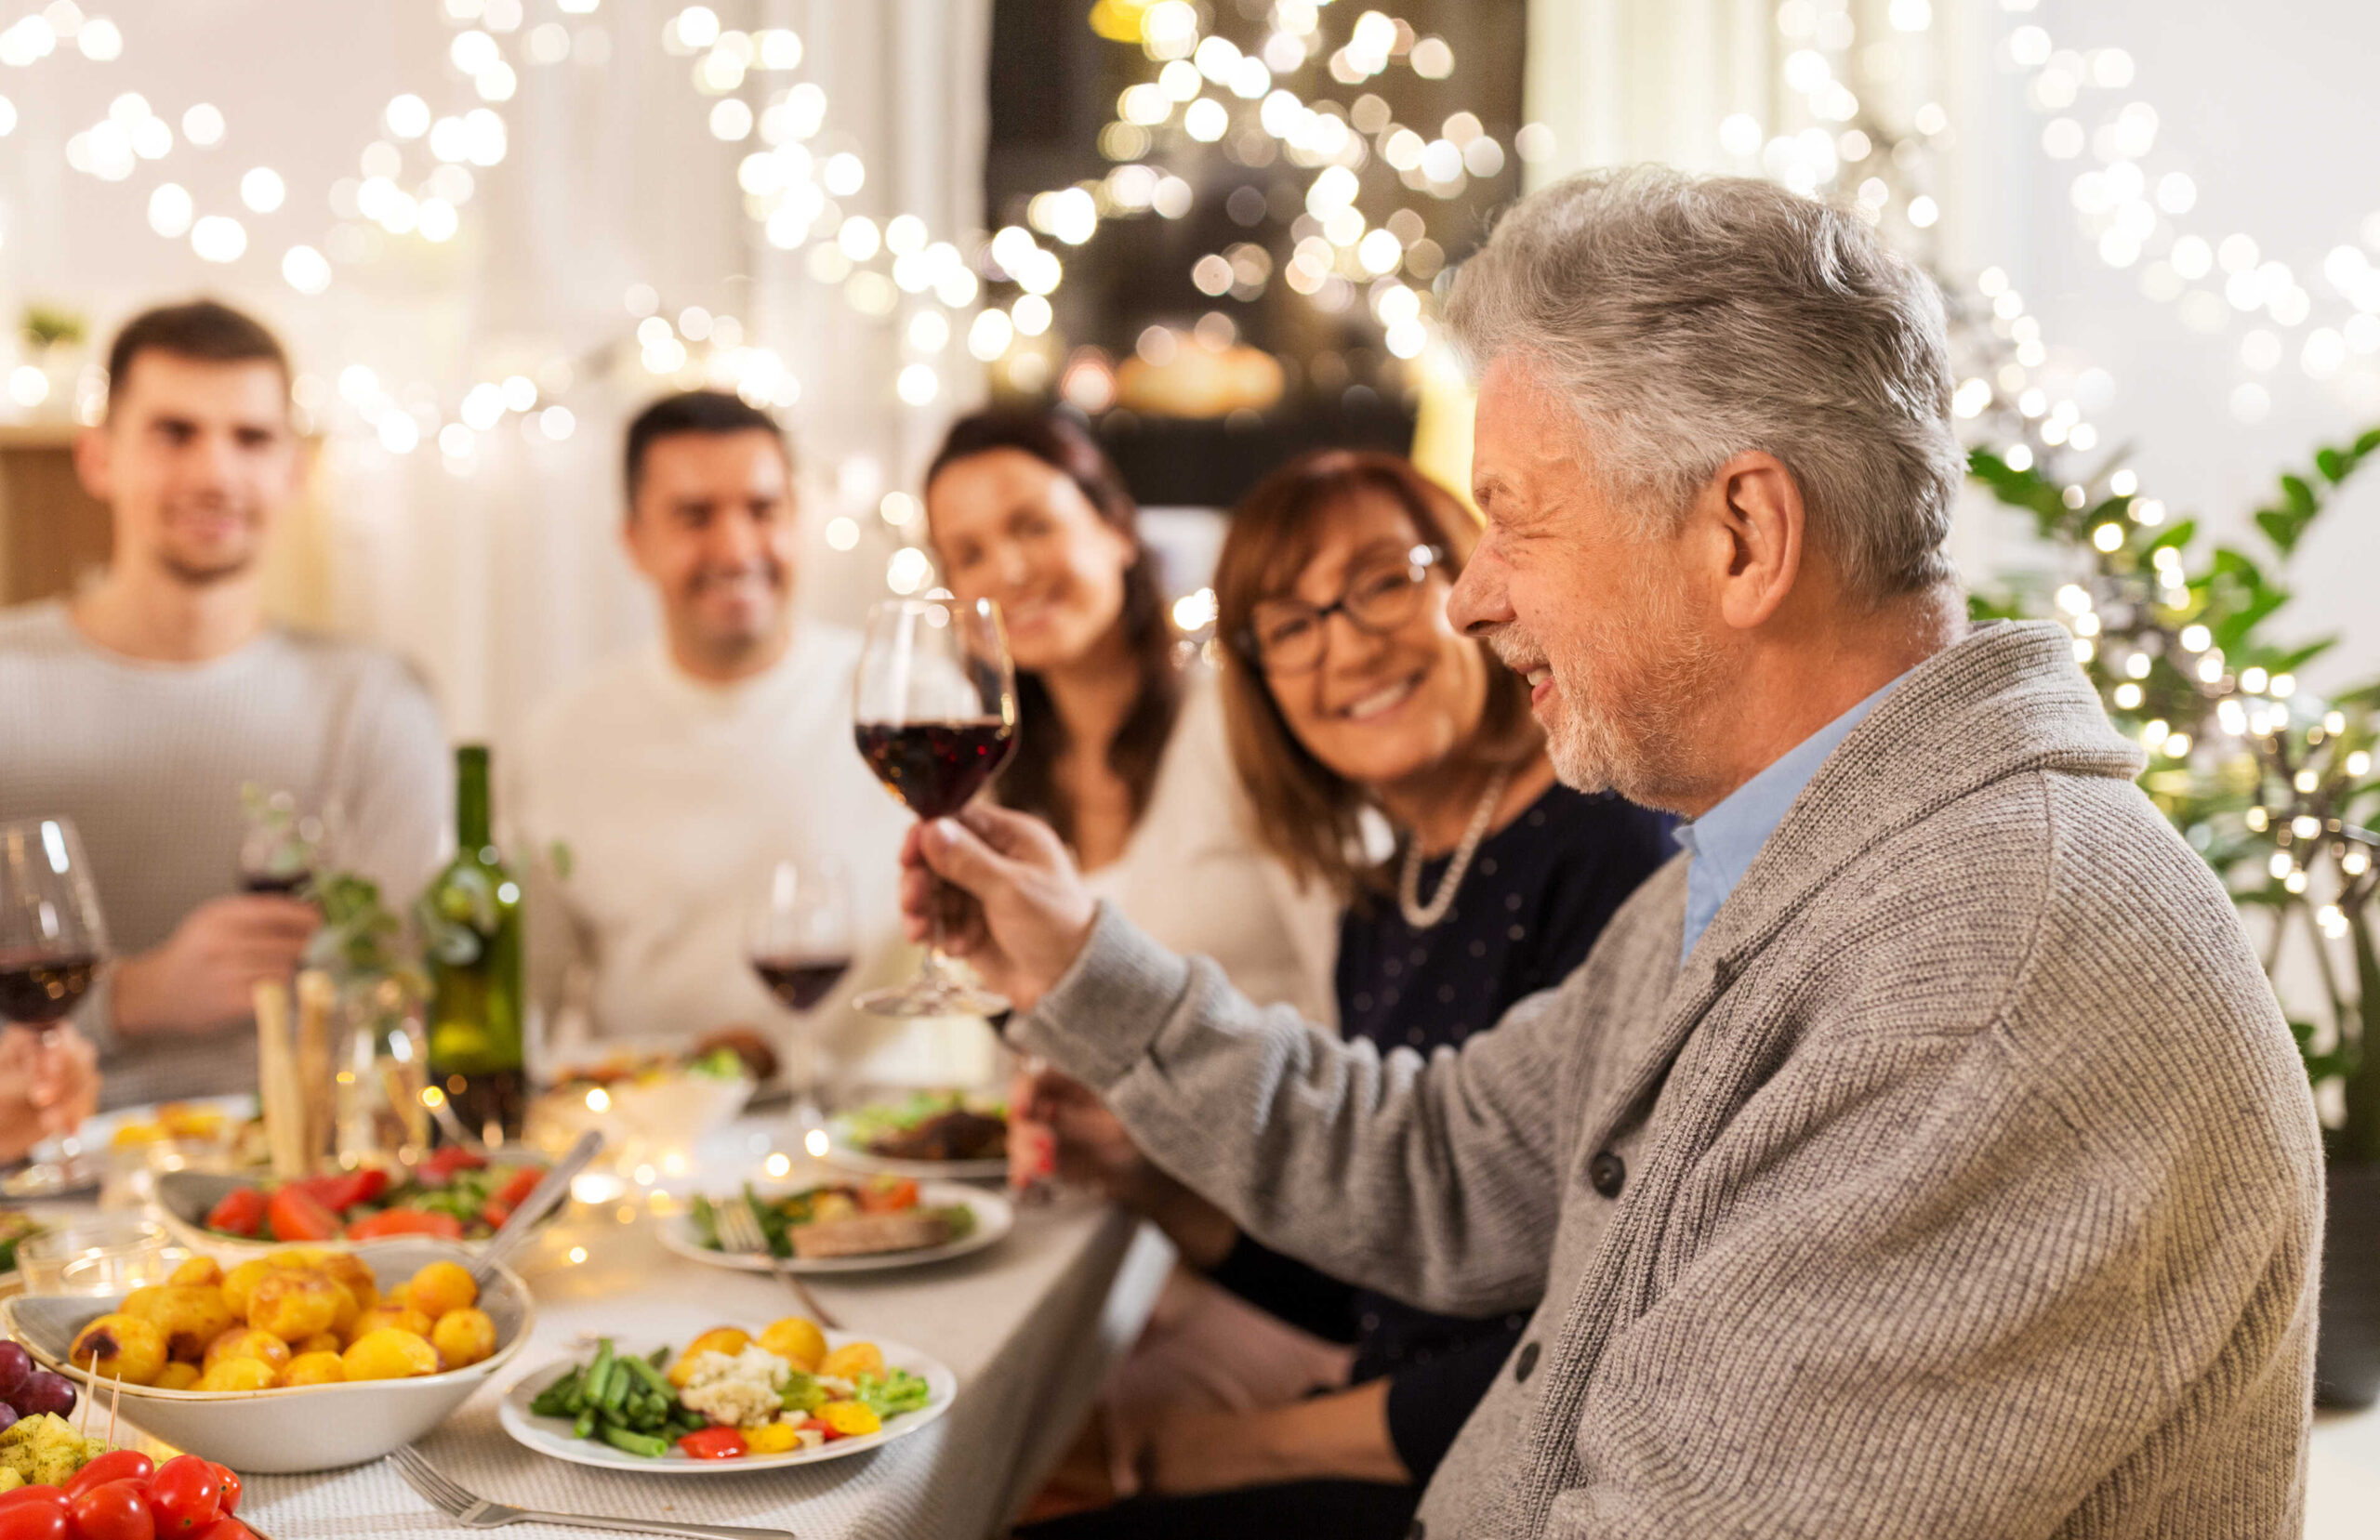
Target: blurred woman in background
pixel 1350 700
pixel 1120 750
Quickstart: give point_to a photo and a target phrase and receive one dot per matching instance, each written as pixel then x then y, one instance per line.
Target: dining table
pixel 1029 1327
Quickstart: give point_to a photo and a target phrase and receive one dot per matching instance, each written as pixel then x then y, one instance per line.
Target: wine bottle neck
pixel 472 831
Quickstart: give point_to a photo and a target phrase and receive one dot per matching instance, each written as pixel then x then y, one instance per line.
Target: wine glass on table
pixel 934 710
pixel 798 940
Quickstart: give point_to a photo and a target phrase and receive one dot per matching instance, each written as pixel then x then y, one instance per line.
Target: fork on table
pixel 476 1512
pixel 739 1231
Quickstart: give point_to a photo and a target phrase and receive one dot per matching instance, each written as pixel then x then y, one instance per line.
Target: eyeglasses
pixel 1288 636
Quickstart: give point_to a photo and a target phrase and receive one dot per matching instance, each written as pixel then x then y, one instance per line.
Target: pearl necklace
pixel 1409 886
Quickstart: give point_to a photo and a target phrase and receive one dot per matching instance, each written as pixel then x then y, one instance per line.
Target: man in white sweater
pixel 141 706
pixel 656 796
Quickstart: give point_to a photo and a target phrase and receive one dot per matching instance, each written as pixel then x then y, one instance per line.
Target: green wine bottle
pixel 471 924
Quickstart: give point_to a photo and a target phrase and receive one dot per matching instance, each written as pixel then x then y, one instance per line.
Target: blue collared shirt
pixel 1725 840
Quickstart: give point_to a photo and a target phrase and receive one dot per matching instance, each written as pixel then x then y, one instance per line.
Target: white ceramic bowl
pixel 307 1428
pixel 640 1121
pixel 183 1199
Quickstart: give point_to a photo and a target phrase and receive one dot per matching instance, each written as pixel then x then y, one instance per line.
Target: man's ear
pixel 95 463
pixel 1759 533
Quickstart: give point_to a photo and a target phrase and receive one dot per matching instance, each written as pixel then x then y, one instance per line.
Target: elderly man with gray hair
pixel 1923 1153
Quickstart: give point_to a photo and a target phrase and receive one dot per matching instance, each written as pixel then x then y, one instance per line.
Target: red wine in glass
pixel 40 988
pixel 933 712
pixel 284 885
pixel 51 935
pixel 934 767
pixel 800 983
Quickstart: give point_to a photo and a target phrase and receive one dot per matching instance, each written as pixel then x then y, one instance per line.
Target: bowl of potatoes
pixel 300 1359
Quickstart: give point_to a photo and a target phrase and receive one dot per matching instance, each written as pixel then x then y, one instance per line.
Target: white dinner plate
pixel 994 1219
pixel 552 1436
pixel 845 1152
pixel 59 1167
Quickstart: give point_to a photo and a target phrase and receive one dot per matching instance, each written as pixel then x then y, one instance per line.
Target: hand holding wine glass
pixel 934 710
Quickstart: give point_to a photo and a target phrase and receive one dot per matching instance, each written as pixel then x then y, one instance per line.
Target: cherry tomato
pixel 115 1510
pixel 887 1194
pixel 17 1496
pixel 507 1198
pixel 405 1221
pixel 116 1465
pixel 296 1215
pixel 225 1529
pixel 229 1480
pixel 359 1187
pixel 184 1495
pixel 713 1444
pixel 439 1166
pixel 826 1430
pixel 238 1212
pixel 38 1513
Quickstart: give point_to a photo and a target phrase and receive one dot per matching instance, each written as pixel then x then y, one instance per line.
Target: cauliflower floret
pixel 741 1392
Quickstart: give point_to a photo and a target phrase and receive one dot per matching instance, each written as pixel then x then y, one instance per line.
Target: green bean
pixel 646 1444
pixel 585 1425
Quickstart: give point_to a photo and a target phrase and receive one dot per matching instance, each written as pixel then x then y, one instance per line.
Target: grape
pixel 44 1391
pixel 7 1416
pixel 15 1364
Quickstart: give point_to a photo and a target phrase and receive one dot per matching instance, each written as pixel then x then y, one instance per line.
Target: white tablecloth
pixel 1028 1327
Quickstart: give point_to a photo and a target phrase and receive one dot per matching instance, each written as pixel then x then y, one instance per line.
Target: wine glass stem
pixel 932 973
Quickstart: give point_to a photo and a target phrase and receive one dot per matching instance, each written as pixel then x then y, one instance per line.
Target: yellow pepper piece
pixel 772 1438
pixel 851 1418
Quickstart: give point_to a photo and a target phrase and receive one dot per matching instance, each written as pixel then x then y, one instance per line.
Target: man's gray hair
pixel 1686 320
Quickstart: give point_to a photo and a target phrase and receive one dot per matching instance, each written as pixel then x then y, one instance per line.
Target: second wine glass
pixel 798 937
pixel 935 711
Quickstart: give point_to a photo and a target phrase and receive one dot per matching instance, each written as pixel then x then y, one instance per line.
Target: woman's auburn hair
pixel 1028 783
pixel 1307 815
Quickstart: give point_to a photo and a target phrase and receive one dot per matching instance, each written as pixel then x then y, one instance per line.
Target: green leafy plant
pixel 2274 788
pixel 47 326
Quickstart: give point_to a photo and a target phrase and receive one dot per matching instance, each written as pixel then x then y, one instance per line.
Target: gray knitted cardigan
pixel 1961 1183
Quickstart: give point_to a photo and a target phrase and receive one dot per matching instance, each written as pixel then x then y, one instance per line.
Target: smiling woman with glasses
pixel 1392 760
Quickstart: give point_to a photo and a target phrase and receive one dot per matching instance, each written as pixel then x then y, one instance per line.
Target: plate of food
pixel 727 1399
pixel 878 1222
pixel 450 1194
pixel 220 1132
pixel 952 1136
pixel 668 1100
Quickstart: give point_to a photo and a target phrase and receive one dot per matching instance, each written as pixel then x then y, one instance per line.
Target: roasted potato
pixel 797 1341
pixel 313 1369
pixel 190 1316
pixel 117 1346
pixel 292 1304
pixel 463 1336
pixel 237 1374
pixel 729 1340
pixel 199 1270
pixel 387 1353
pixel 240 1280
pixel 852 1360
pixel 348 1272
pixel 389 1316
pixel 248 1342
pixel 439 1287
pixel 177 1375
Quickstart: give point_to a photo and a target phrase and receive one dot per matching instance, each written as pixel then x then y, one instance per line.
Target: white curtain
pixel 505 580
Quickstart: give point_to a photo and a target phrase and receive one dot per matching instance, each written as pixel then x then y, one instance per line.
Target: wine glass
pixel 934 707
pixel 798 937
pixel 282 846
pixel 51 935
